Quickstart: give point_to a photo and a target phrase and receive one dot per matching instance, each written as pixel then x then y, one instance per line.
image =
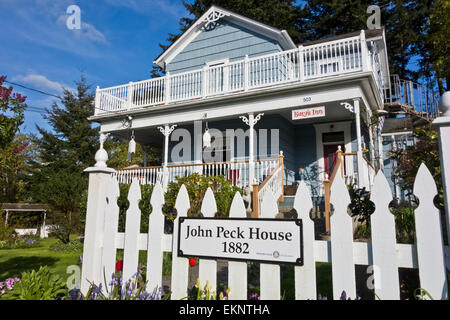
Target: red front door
pixel 329 155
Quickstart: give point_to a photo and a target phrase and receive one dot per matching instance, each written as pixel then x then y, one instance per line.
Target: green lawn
pixel 15 261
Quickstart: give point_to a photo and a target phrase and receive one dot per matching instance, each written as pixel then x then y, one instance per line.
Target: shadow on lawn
pixel 15 266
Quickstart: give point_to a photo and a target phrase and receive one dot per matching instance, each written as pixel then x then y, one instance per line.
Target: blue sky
pixel 117 43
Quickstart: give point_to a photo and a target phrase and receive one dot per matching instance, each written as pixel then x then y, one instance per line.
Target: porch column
pixel 6 217
pixel 166 131
pixel 251 121
pixel 198 145
pixel 145 155
pixel 442 123
pixel 361 176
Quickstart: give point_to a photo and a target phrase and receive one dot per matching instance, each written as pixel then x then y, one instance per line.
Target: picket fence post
pixel 180 266
pixel 342 267
pixel 132 232
pixel 111 227
pixel 305 276
pixel 207 268
pixel 237 271
pixel 269 273
pixel 155 239
pixel 430 246
pixel 384 254
pixel 99 179
pixel 442 123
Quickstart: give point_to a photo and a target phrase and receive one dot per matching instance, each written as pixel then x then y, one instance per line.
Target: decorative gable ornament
pixel 213 16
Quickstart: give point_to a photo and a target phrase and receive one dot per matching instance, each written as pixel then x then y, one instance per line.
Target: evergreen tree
pixel 64 153
pixel 435 52
pixel 72 143
pixel 322 19
pixel 404 22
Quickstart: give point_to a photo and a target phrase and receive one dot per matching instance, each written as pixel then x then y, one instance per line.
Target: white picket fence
pixel 430 255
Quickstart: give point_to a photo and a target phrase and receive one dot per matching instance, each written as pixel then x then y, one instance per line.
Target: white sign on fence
pixel 242 239
pixel 308 113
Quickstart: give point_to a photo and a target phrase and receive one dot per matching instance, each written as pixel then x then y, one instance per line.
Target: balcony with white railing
pixel 306 63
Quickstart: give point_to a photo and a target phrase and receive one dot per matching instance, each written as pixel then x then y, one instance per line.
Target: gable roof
pixel 213 14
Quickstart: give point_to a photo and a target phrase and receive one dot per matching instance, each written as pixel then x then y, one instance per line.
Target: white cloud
pixel 40 82
pixel 87 31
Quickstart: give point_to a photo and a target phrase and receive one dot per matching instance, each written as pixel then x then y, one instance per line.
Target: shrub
pixel 144 206
pixel 404 223
pixel 6 232
pixel 38 285
pixel 72 246
pixel 196 186
pixel 21 242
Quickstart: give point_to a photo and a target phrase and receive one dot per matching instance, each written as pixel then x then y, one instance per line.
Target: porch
pixel 313 150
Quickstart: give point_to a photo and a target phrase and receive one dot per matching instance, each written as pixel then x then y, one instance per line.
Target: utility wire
pixel 32 89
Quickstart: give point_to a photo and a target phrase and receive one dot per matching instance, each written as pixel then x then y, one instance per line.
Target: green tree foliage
pixel 64 152
pixel 404 22
pixel 281 14
pixel 118 151
pixel 72 143
pixel 15 168
pixel 425 150
pixel 196 186
pixel 322 19
pixel 437 58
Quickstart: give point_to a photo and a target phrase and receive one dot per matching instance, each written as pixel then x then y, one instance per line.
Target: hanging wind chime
pixel 206 136
pixel 131 146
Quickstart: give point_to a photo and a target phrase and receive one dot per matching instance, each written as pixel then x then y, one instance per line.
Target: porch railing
pixel 298 65
pixel 235 171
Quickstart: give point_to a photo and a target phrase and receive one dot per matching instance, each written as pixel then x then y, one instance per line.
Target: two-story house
pixel 237 93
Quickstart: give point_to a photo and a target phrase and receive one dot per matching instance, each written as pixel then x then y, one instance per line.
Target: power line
pixel 32 89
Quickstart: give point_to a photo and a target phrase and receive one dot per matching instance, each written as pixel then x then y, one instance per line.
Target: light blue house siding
pixel 221 40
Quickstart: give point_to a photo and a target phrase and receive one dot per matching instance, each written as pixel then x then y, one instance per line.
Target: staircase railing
pixel 418 97
pixel 273 183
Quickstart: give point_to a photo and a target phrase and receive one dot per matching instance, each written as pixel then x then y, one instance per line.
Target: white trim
pixel 404 133
pixel 219 62
pixel 322 128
